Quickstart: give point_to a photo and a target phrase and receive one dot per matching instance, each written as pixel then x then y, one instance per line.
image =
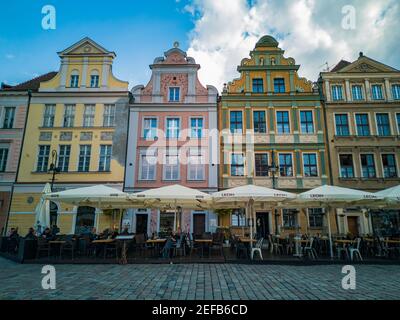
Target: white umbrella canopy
pixel 100 196
pixel 390 196
pixel 42 211
pixel 172 196
pixel 250 192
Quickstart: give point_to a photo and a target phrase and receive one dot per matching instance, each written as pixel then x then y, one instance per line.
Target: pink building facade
pixel 172 139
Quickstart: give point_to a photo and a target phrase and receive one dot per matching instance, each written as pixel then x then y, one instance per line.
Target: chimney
pixel 361 54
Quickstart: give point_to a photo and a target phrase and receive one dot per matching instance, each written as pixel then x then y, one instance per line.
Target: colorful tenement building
pixel 172 139
pixel 362 106
pixel 277 130
pixel 71 123
pixel 273 135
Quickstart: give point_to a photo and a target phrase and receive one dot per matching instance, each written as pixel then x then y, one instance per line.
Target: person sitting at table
pixel 55 230
pixel 13 240
pixel 31 234
pixel 125 232
pixel 169 245
pixel 92 234
pixel 114 234
pixel 47 235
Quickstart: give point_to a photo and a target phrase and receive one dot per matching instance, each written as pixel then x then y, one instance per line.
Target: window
pixel 337 93
pixel 285 165
pixel 63 158
pixel 94 79
pixel 342 125
pixel 383 124
pixel 282 121
pixel 376 92
pixel 307 122
pixel 236 122
pixel 149 128
pixel 85 219
pixel 238 218
pixel 396 91
pixel 171 166
pixel 74 83
pixel 316 217
pixel 368 166
pixel 261 161
pixel 237 165
pixel 9 115
pixel 196 128
pixel 48 116
pixel 84 158
pixel 279 85
pixel 88 115
pixel 105 158
pixel 109 115
pixel 167 219
pixel 310 165
pixel 289 218
pixel 389 166
pixel 357 92
pixel 346 166
pixel 148 162
pixel 362 124
pixel 259 122
pixel 3 159
pixel 43 159
pixel 398 122
pixel 258 86
pixel 69 115
pixel 174 93
pixel 196 164
pixel 173 128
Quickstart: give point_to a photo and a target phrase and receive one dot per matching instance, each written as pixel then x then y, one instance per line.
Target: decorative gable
pixel 86 47
pixel 365 65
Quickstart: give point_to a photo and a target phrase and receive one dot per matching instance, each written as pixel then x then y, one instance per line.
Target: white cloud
pixel 308 30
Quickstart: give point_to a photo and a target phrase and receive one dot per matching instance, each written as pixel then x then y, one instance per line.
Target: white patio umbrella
pixel 173 196
pixel 42 210
pixel 99 196
pixel 251 196
pixel 390 196
pixel 333 197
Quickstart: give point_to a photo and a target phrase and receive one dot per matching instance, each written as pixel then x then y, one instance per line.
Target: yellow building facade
pixel 77 121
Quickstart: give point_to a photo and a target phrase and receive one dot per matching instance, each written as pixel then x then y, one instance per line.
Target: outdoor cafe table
pixel 156 243
pixel 102 242
pixel 392 241
pixel 204 243
pixel 57 243
pixel 298 242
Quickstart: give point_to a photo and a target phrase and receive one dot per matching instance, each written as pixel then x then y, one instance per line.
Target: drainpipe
pixel 323 104
pixel 19 160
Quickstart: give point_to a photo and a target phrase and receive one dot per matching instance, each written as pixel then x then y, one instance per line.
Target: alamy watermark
pixel 49 19
pixel 49 280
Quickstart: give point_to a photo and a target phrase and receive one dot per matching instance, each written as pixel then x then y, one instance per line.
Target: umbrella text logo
pixel 349 280
pixel 49 280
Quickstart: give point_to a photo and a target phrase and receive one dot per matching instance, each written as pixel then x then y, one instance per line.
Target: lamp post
pixel 53 167
pixel 273 168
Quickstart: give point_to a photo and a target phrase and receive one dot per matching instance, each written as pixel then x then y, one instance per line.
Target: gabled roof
pixel 340 65
pixel 32 84
pixel 87 42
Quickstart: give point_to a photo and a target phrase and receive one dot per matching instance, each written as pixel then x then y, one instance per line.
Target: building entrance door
pixel 262 224
pixel 141 223
pixel 199 224
pixel 352 224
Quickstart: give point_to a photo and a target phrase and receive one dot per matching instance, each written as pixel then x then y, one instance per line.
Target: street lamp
pixel 53 167
pixel 273 168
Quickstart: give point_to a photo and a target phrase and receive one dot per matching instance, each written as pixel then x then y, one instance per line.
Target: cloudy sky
pixel 217 33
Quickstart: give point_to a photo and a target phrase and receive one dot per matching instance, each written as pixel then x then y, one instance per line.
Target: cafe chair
pixel 43 246
pixel 355 249
pixel 257 248
pixel 309 250
pixel 68 246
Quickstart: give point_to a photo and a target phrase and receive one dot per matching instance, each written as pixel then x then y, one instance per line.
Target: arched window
pixel 74 79
pixel 94 79
pixel 85 219
pixel 53 214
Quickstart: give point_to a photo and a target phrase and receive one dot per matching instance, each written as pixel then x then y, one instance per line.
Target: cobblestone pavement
pixel 198 282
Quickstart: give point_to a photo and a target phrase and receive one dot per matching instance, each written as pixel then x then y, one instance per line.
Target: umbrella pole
pixel 251 208
pixel 328 215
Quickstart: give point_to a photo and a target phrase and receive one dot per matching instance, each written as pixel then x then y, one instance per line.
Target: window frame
pixel 200 154
pixel 361 92
pixel 107 156
pixel 377 124
pixel 143 135
pixel 368 167
pixel 51 116
pixel 397 91
pixel 4 158
pixel 109 118
pixel 352 166
pixel 44 157
pixel 277 122
pixel 260 122
pixel 348 123
pixel 381 92
pixel 281 85
pixel 230 122
pixel 63 160
pixel 255 163
pixel 90 116
pixel 369 124
pixel 145 153
pixel 9 122
pixel 197 128
pixel 179 128
pixel 166 155
pixel 66 116
pixel 301 123
pixel 341 98
pixel 85 162
pixel 259 85
pixel 237 166
pixel 309 165
pixel 175 89
pixel 396 166
pixel 285 166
